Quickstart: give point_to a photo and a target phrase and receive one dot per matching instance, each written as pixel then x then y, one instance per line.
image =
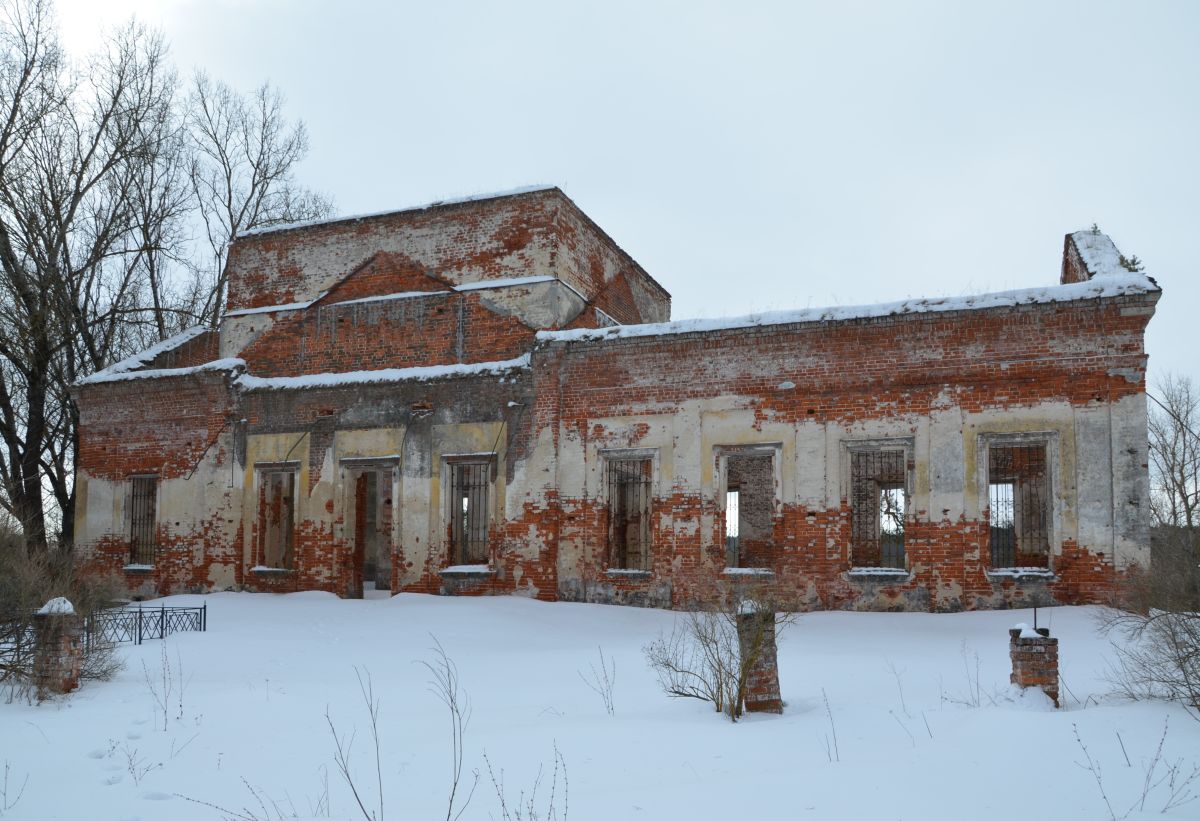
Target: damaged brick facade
pixel 495 379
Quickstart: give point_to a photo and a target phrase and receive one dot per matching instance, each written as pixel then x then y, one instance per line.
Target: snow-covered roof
pixel 268 229
pixel 140 360
pixel 1124 283
pixel 231 364
pixel 420 374
pixel 1098 252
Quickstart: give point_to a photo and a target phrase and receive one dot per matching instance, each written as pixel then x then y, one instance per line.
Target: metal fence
pixel 118 625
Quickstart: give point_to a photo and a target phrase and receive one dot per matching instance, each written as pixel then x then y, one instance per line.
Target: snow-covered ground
pixel 901 688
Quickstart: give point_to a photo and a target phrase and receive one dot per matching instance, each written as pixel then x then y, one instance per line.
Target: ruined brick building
pixel 487 396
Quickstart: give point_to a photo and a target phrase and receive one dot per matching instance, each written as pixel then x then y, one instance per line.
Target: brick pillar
pixel 58 653
pixel 756 637
pixel 1034 659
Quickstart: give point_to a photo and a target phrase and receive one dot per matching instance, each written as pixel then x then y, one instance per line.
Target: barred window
pixel 277 518
pixel 749 506
pixel 1018 506
pixel 469 481
pixel 143 510
pixel 879 503
pixel 629 513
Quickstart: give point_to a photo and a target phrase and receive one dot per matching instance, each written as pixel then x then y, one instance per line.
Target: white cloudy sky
pixel 754 155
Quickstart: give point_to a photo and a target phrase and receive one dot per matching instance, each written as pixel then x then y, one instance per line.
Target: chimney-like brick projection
pixel 1034 660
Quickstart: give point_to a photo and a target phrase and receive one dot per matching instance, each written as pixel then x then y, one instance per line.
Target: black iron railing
pixel 129 624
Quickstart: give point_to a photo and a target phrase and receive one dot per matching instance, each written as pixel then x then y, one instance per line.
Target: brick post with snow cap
pixel 1034 659
pixel 756 640
pixel 58 655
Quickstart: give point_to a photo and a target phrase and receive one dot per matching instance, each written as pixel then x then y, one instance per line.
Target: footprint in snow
pixel 132 736
pixel 97 754
pixel 113 780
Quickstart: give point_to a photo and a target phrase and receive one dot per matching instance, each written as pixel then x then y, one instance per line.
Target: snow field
pixel 926 724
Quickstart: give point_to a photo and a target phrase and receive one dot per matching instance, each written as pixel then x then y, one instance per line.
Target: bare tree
pixel 242 172
pixel 1158 617
pixel 75 147
pixel 105 169
pixel 1175 454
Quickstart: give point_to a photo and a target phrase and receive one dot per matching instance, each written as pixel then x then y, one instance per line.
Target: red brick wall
pixel 415 332
pixel 196 351
pixel 159 426
pixel 164 427
pixel 848 372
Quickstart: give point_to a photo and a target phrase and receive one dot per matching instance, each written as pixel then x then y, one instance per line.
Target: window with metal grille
pixel 277 518
pixel 629 513
pixel 1018 506
pixel 469 482
pixel 143 514
pixel 878 503
pixel 732 514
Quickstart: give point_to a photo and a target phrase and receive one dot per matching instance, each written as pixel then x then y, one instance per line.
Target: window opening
pixel 629 513
pixel 891 526
pixel 750 474
pixel 1018 506
pixel 878 499
pixel 143 516
pixel 469 511
pixel 731 528
pixel 277 518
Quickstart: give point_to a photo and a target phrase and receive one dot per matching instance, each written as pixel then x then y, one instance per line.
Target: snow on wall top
pixel 140 360
pixel 1123 283
pixel 419 374
pixel 503 283
pixel 390 297
pixel 268 229
pixel 57 606
pixel 230 364
pixel 270 309
pixel 1098 253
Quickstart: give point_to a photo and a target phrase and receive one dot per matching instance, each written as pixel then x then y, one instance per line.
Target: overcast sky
pixel 754 155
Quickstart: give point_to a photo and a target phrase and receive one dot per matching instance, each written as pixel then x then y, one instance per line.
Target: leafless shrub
pixel 703 656
pixel 897 674
pixel 601 680
pixel 830 743
pixel 1155 625
pixel 975 694
pixel 525 808
pixel 266 808
pixel 137 767
pixel 9 800
pixel 1093 767
pixel 27 581
pixel 160 686
pixel 445 685
pixel 1175 778
pixel 344 744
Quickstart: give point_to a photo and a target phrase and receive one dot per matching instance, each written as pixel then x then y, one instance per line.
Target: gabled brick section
pixel 534 233
pixel 438 329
